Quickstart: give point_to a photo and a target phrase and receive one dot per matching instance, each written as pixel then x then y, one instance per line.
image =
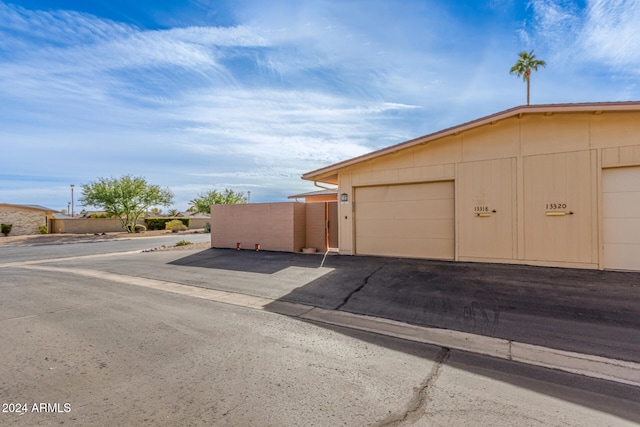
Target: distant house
pixel 25 219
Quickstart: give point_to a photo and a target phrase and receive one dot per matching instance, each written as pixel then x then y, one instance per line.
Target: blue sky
pixel 249 94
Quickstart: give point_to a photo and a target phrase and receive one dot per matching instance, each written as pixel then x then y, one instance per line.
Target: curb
pixel 578 363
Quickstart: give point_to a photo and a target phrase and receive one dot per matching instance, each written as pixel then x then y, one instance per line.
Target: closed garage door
pixel 621 218
pixel 411 220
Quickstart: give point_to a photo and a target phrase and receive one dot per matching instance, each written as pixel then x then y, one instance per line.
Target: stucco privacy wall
pixel 24 221
pixel 196 223
pixel 86 225
pixel 528 188
pixel 102 225
pixel 275 226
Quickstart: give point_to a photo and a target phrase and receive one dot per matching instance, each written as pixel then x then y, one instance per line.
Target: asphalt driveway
pixel 586 311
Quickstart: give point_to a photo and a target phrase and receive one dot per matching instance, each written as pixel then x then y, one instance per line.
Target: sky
pixel 199 95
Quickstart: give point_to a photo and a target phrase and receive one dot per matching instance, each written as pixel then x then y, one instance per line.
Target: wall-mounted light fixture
pixel 344 197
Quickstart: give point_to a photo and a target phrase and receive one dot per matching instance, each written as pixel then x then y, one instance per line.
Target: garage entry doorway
pixel 621 218
pixel 407 220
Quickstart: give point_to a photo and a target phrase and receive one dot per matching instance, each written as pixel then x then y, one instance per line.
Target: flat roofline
pixel 594 107
pixel 314 194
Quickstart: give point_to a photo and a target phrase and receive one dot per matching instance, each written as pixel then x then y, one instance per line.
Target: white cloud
pixel 60 27
pixel 605 32
pixel 612 32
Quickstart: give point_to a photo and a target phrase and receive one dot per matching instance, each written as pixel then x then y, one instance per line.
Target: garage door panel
pixel 621 230
pixel 621 218
pixel 437 228
pixel 622 257
pixel 412 220
pixel 617 180
pixel 394 193
pixel 437 208
pixel 411 248
pixel 621 205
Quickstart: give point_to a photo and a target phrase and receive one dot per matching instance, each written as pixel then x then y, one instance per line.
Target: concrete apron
pixel 583 364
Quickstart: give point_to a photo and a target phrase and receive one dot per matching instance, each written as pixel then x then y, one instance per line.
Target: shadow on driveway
pixel 586 311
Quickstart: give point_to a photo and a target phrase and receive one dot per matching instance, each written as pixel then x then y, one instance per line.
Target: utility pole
pixel 72 208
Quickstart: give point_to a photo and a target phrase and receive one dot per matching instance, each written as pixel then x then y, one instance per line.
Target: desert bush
pixel 183 243
pixel 43 229
pixel 140 228
pixel 207 227
pixel 6 228
pixel 161 223
pixel 175 226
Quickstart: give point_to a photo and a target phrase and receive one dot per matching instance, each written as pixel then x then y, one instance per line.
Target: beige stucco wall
pixel 198 223
pixel 275 226
pixel 520 167
pixel 103 225
pixel 24 221
pixel 86 225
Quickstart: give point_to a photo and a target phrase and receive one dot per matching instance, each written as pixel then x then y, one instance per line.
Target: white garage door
pixel 410 220
pixel 621 218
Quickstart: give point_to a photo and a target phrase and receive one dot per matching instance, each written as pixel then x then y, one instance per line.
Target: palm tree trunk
pixel 527 77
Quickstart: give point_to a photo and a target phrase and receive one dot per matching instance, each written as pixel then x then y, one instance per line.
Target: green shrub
pixel 102 215
pixel 5 229
pixel 161 223
pixel 207 227
pixel 43 229
pixel 183 243
pixel 175 226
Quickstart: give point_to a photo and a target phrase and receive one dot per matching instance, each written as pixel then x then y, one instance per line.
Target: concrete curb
pixel 583 364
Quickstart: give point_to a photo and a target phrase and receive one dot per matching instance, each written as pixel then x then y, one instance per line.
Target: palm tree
pixel 523 67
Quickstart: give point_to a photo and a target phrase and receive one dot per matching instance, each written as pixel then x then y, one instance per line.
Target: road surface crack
pixel 358 289
pixel 415 409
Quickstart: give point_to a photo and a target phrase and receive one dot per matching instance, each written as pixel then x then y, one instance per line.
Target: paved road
pixel 122 354
pixel 26 252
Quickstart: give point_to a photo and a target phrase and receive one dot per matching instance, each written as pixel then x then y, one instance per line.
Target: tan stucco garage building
pixel 555 185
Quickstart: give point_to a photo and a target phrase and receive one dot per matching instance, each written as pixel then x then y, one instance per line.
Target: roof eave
pixel 31 208
pixel 595 107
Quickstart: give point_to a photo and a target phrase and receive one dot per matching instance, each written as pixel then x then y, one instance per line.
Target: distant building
pixel 25 219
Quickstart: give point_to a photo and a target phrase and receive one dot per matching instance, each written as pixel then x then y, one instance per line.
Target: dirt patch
pixel 201 245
